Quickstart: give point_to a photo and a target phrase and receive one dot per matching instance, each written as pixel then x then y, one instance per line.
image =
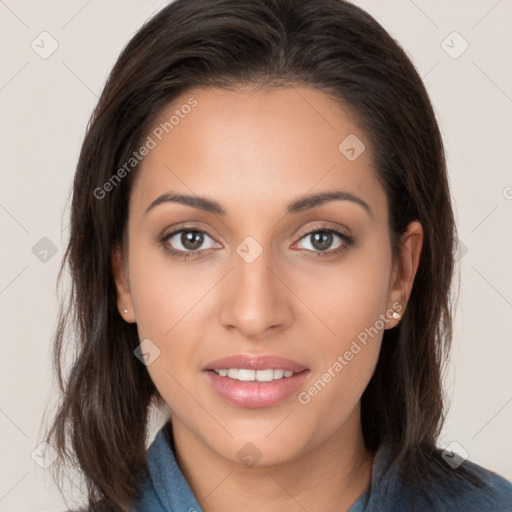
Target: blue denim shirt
pixel 167 490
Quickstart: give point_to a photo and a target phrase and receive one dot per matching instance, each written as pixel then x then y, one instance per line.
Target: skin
pixel 254 152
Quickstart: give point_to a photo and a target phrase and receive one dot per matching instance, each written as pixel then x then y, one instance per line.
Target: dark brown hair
pixel 330 45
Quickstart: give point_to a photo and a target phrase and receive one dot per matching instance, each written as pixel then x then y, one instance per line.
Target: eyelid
pixel 321 226
pixel 186 226
pixel 326 226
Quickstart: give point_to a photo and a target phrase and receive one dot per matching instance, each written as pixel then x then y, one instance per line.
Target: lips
pixel 240 379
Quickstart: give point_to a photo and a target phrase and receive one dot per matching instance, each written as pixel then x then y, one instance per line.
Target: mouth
pixel 255 381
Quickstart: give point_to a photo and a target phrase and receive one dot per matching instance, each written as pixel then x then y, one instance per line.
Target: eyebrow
pixel 299 205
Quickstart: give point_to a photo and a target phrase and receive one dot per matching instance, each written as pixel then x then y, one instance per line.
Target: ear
pixel 124 297
pixel 404 270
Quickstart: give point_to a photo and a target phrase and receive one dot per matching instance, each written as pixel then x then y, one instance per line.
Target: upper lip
pixel 253 362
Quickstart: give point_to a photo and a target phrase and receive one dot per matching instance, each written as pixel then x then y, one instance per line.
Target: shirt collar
pixel 168 481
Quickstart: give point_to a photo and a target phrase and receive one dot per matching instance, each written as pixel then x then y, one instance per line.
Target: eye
pixel 325 241
pixel 191 242
pixel 187 240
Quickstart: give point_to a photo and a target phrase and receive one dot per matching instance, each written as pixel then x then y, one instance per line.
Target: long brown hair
pixel 330 45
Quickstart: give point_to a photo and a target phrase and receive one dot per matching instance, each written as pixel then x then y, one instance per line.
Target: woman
pixel 262 239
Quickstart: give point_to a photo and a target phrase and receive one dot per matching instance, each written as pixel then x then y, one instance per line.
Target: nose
pixel 257 302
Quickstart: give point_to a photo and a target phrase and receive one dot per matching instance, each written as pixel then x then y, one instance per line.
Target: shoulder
pixel 467 487
pixel 492 493
pixel 470 488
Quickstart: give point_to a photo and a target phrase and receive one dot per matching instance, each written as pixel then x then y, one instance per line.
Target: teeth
pixel 245 375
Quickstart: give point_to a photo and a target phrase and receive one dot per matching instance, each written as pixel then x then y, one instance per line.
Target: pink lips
pixel 255 394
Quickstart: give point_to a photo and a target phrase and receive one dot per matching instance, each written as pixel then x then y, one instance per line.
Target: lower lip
pixel 255 394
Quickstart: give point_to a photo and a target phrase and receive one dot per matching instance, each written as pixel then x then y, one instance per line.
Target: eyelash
pixel 347 241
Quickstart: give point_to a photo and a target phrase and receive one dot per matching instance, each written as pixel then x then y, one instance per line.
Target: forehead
pixel 253 148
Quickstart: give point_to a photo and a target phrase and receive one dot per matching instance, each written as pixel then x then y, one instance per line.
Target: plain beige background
pixel 45 104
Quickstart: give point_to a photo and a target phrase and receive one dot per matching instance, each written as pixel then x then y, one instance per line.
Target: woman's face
pixel 283 263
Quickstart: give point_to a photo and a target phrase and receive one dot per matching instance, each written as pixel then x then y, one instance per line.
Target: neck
pixel 330 476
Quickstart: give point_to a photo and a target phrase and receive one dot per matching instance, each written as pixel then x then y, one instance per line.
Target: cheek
pixel 165 294
pixel 164 303
pixel 349 296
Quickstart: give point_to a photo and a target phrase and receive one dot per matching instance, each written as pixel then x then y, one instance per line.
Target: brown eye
pixel 191 240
